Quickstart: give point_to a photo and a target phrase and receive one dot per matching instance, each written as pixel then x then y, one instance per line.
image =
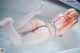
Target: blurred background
pixel 17 8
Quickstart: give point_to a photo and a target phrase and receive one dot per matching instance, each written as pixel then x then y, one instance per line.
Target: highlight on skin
pixel 70 21
pixel 33 35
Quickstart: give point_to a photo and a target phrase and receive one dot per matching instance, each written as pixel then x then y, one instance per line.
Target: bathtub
pixel 69 43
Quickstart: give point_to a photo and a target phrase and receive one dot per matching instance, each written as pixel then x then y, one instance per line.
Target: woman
pixel 27 31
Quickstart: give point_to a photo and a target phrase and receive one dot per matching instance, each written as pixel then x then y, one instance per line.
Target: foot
pixel 39 9
pixel 6 24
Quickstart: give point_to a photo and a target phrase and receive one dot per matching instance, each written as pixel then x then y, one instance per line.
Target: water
pixel 70 40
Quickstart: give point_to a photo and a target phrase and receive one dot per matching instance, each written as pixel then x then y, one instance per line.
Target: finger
pixel 71 24
pixel 67 12
pixel 69 20
pixel 63 25
pixel 68 27
pixel 74 23
pixel 73 15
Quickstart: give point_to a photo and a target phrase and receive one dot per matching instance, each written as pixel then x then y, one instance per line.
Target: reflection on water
pixel 5 43
pixel 45 47
pixel 49 46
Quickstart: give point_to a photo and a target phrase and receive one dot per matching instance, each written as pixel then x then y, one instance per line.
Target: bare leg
pixel 6 26
pixel 23 20
pixel 35 37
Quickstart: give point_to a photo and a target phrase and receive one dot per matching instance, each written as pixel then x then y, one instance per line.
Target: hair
pixel 69 20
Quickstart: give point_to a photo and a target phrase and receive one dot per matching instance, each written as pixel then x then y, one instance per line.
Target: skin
pixel 14 30
pixel 71 18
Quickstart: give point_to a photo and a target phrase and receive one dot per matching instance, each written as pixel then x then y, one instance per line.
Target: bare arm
pixel 33 37
pixel 36 36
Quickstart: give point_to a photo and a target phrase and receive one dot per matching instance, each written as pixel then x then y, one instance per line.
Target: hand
pixel 66 21
pixel 71 18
